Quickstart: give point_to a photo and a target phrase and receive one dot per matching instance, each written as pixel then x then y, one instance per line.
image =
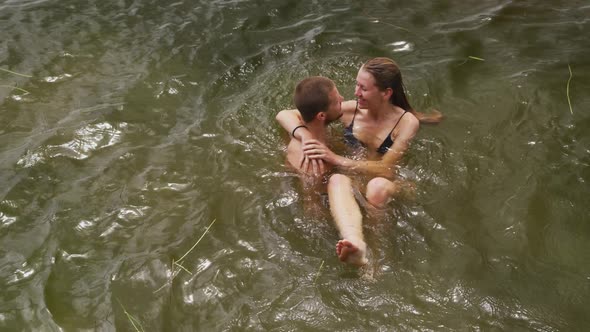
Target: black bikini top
pixel 352 141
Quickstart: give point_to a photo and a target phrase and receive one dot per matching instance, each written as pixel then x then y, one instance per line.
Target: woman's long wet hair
pixel 388 75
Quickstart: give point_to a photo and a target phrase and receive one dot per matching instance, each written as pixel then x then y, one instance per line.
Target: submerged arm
pixel 431 118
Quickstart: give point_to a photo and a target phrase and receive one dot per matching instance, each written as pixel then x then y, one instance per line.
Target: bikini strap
pixel 356 108
pixel 400 118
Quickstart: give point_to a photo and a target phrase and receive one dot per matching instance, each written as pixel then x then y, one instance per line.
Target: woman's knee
pixel 379 191
pixel 339 180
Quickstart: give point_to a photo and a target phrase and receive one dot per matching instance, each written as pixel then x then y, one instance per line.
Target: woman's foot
pixel 350 253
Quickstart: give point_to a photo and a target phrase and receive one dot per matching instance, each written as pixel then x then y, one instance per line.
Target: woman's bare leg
pixel 348 218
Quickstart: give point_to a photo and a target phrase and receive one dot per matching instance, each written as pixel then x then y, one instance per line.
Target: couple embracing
pixel 381 122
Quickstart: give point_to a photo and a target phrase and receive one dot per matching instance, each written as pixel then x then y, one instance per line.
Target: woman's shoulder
pixel 411 118
pixel 409 123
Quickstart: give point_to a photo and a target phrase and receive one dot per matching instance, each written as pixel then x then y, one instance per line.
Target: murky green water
pixel 144 121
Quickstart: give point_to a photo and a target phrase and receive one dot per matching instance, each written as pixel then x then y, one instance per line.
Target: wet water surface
pixel 131 130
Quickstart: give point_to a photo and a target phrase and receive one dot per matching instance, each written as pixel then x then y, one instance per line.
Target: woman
pixel 382 121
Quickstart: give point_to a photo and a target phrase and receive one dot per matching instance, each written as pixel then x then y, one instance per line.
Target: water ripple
pixel 175 187
pixel 20 4
pixel 86 140
pixel 85 225
pixel 247 245
pixel 6 220
pixel 285 200
pixel 181 129
pixel 53 79
pixel 402 46
pixel 131 212
pixel 68 257
pixel 23 273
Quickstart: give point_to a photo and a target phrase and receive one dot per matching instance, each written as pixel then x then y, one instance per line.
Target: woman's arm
pixel 316 150
pixel 433 117
pixel 384 167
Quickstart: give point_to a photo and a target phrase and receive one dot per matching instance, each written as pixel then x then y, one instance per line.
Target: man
pixel 318 101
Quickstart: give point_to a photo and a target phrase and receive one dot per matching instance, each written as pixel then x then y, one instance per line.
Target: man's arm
pixel 294 156
pixel 289 120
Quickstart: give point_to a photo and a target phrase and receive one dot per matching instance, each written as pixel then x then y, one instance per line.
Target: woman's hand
pixel 314 150
pixel 435 116
pixel 314 167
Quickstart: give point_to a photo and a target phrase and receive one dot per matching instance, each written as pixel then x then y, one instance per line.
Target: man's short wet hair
pixel 312 96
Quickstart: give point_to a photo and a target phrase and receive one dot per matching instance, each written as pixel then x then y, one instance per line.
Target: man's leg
pixel 348 218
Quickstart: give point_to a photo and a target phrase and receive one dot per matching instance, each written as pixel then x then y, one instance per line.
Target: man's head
pixel 318 95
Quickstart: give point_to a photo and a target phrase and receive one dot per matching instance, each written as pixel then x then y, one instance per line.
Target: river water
pixel 127 128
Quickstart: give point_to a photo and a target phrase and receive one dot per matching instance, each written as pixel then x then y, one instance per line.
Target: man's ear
pixel 321 116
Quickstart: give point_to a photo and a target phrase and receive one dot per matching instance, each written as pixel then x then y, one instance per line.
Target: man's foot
pixel 350 253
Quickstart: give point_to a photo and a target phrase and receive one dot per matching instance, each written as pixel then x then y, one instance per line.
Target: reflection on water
pixel 134 125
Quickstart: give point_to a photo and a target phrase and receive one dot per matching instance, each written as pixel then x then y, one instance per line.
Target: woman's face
pixel 366 91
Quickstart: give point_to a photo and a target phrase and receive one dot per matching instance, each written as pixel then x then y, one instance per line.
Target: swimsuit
pixel 352 141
